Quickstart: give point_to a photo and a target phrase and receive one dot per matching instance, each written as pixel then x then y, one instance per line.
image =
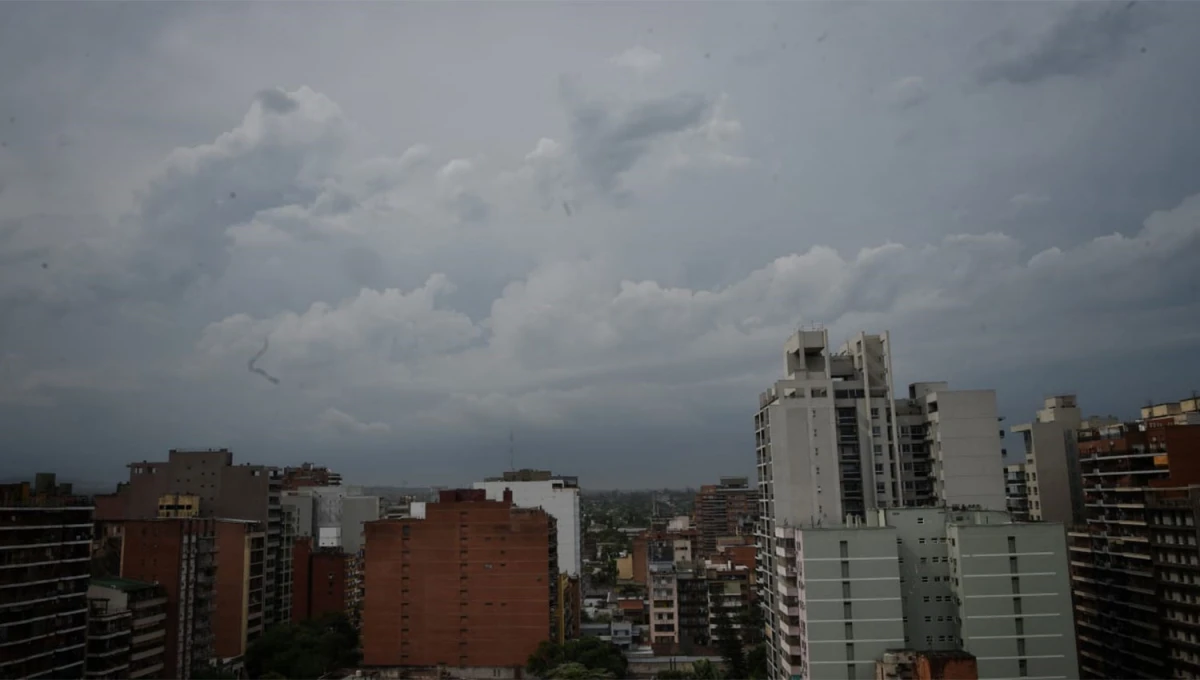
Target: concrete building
pixel 45 543
pixel 928 580
pixel 127 629
pixel 555 494
pixel 726 509
pixel 180 555
pixel 1053 483
pixel 832 445
pixel 224 490
pixel 333 515
pixel 239 599
pixel 309 474
pixel 907 664
pixel 326 581
pixel 1016 491
pixel 473 584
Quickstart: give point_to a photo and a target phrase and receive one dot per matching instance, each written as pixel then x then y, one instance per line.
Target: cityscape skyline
pixel 616 227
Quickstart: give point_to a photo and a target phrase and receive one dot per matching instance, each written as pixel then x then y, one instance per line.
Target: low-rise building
pixel 127 629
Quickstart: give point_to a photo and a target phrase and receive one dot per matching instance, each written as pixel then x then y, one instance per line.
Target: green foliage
pixel 756 661
pixel 577 671
pixel 592 653
pixel 304 651
pixel 730 645
pixel 703 669
pixel 673 674
pixel 211 672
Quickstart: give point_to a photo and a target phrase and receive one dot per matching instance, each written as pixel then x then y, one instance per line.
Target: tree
pixel 703 669
pixel 591 652
pixel 756 661
pixel 730 645
pixel 577 671
pixel 306 650
pixel 673 674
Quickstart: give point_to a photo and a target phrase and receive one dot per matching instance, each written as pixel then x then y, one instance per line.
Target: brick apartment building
pixel 179 554
pixel 726 509
pixel 473 584
pixel 325 581
pixel 207 484
pixel 309 474
pixel 45 539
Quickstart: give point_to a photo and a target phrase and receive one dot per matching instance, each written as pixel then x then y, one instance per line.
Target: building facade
pixel 45 548
pixel 1016 491
pixel 223 490
pixel 1053 483
pixel 729 508
pixel 127 629
pixel 555 494
pixel 926 580
pixel 472 584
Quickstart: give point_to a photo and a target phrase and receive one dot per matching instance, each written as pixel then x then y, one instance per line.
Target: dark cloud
pixel 277 101
pixel 1088 38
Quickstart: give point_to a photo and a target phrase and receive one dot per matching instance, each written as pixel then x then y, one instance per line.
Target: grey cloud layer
pixel 612 279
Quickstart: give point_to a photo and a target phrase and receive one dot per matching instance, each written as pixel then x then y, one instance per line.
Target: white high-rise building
pixel 557 495
pixel 833 446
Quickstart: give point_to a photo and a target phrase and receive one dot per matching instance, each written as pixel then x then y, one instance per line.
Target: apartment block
pixel 326 581
pixel 240 588
pixel 731 592
pixel 1016 491
pixel 309 474
pixel 1052 478
pixel 180 555
pixel 833 446
pixel 1173 516
pixel 333 515
pixel 474 583
pixel 557 495
pixel 729 508
pixel 222 490
pixel 127 629
pixel 1129 584
pixel 939 580
pixel 45 543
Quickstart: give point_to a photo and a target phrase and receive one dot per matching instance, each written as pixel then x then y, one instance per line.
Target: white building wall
pixel 559 501
pixel 968 466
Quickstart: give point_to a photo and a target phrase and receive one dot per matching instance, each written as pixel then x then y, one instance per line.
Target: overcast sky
pixel 592 224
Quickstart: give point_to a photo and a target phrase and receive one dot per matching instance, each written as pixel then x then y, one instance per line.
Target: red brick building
pixel 309 474
pixel 474 583
pixel 726 509
pixel 324 581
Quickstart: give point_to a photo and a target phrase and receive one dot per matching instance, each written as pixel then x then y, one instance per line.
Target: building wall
pixel 470 585
pixel 964 429
pixel 1014 587
pixel 231 622
pixel 1052 462
pixel 301 553
pixel 327 584
pixel 355 511
pixel 557 499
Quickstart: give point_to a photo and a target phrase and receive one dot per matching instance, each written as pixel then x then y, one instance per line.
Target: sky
pixel 384 236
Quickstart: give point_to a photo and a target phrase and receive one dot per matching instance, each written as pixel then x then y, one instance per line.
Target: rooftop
pixel 125 585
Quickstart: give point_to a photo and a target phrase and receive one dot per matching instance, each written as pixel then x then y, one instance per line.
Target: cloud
pixel 1028 200
pixel 1087 38
pixel 907 92
pixel 333 421
pixel 639 59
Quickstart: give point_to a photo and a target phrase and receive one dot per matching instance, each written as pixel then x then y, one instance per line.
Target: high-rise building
pixel 474 583
pixel 555 494
pixel 45 544
pixel 180 555
pixel 309 474
pixel 240 588
pixel 127 629
pixel 222 490
pixel 927 580
pixel 1052 481
pixel 1130 571
pixel 327 581
pixel 729 508
pixel 832 445
pixel 1016 491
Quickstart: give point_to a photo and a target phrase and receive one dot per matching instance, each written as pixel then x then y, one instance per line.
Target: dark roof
pixel 122 584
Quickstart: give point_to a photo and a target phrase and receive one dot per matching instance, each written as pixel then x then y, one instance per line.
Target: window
pixel 920 520
pixel 874 413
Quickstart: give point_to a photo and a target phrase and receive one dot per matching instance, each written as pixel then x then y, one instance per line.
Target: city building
pixel 221 490
pixel 907 664
pixel 1016 491
pixel 555 494
pixel 326 581
pixel 731 593
pixel 333 515
pixel 127 629
pixel 729 508
pixel 45 548
pixel 929 580
pixel 309 474
pixel 1053 486
pixel 569 615
pixel 1127 577
pixel 240 595
pixel 474 583
pixel 833 446
pixel 180 555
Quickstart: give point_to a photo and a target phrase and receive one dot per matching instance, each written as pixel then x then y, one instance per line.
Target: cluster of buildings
pixel 884 537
